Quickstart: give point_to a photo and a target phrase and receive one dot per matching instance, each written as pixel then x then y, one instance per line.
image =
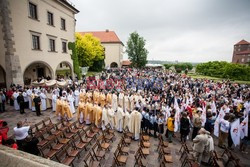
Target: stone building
pixel 34 35
pixel 241 54
pixel 113 47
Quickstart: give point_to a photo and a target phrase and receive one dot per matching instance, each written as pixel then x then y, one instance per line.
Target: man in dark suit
pixel 37 102
pixel 20 100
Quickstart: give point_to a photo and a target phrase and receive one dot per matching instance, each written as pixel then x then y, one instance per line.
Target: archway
pixel 64 70
pixel 2 77
pixel 37 71
pixel 113 65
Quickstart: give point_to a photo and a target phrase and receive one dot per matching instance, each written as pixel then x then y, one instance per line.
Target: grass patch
pixel 198 76
pixel 91 73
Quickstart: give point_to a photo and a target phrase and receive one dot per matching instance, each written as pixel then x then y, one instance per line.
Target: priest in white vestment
pixel 76 95
pixel 54 98
pixel 111 115
pixel 105 119
pixel 119 115
pixel 121 99
pixel 43 101
pixel 126 122
pixel 29 93
pixel 71 102
pixel 15 95
pixel 114 102
pixel 136 118
pixel 126 103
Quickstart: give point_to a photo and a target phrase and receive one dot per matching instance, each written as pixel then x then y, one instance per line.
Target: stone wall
pixel 12 62
pixel 10 157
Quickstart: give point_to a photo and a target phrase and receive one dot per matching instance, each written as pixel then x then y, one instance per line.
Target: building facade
pixel 113 47
pixel 241 53
pixel 34 35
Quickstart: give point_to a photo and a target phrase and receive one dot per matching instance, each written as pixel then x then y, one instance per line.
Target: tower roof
pixel 243 42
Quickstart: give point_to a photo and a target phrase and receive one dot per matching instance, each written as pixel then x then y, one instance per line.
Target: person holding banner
pixel 197 121
pixel 224 130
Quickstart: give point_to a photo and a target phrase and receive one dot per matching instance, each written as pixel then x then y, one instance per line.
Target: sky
pixel 174 30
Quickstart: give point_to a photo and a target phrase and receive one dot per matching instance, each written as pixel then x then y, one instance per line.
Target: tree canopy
pixel 74 57
pixel 180 66
pixel 223 69
pixel 137 53
pixel 88 50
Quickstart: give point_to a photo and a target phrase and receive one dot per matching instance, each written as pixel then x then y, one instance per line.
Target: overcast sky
pixel 183 30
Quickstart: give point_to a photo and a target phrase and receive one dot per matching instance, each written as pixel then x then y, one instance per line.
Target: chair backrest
pixel 81 134
pixel 117 152
pixel 47 121
pixel 186 148
pixel 61 154
pixel 108 126
pixel 137 155
pixel 88 159
pixel 160 138
pixel 95 146
pixel 39 125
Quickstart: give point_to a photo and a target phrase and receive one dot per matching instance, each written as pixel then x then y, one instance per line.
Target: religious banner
pixel 235 132
pixel 213 107
pixel 177 120
pixel 244 128
pixel 217 122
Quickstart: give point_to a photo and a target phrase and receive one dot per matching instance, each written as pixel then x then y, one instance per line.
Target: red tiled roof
pixel 243 52
pixel 126 62
pixel 105 36
pixel 243 42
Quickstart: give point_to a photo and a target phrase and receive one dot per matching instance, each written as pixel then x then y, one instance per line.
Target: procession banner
pixel 244 128
pixel 235 132
pixel 217 122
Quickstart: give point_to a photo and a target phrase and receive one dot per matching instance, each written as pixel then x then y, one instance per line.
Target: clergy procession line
pixel 151 101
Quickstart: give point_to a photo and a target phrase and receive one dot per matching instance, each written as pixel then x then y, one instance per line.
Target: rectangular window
pixel 33 11
pixel 50 19
pixel 52 46
pixel 242 60
pixel 63 24
pixel 64 47
pixel 35 42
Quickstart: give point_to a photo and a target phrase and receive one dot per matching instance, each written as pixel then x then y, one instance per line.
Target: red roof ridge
pixel 242 42
pixel 104 36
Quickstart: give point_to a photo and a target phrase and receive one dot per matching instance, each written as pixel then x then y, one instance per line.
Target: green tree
pixel 223 69
pixel 167 66
pixel 74 57
pixel 88 50
pixel 137 53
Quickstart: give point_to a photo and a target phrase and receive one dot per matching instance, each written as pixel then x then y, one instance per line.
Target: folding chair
pixel 89 161
pixel 98 153
pixel 120 160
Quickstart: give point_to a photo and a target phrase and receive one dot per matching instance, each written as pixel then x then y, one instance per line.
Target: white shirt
pixel 21 133
pixel 224 125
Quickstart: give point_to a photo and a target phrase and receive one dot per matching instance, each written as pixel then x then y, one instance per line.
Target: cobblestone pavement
pixel 12 117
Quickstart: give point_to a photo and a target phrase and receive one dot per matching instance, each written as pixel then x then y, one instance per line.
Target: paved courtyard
pixel 12 117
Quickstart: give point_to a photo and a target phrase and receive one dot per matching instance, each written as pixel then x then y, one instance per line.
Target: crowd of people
pixel 153 101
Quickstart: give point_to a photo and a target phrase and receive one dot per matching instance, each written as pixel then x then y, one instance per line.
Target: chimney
pixel 107 30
